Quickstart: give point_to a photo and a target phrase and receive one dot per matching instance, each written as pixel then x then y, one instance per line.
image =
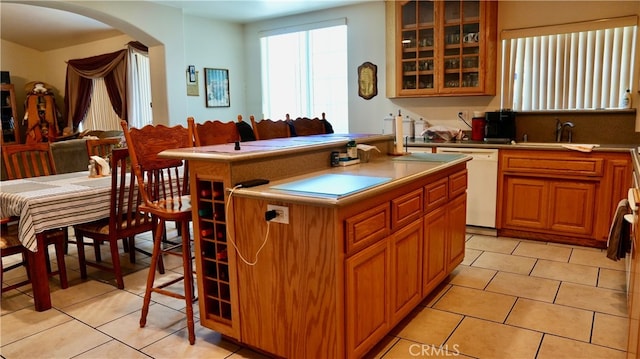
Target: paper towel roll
pixel 399 136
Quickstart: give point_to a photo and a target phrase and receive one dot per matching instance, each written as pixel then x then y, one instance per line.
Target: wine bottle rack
pixel 213 248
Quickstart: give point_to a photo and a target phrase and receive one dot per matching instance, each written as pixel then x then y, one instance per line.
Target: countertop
pixel 341 185
pixel 517 145
pixel 397 171
pixel 269 148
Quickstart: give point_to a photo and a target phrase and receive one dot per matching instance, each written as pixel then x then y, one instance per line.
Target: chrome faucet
pixel 560 126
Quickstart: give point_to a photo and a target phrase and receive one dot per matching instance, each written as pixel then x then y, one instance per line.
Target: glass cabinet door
pixel 445 48
pixel 462 44
pixel 418 40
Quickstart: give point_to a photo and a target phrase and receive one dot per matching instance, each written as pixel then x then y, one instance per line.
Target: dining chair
pixel 28 160
pixel 165 193
pixel 97 147
pixel 304 126
pixel 35 160
pixel 267 129
pixel 10 245
pixel 102 146
pixel 125 220
pixel 213 132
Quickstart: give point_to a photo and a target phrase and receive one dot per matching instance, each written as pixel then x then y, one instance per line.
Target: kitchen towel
pixel 580 147
pixel 618 241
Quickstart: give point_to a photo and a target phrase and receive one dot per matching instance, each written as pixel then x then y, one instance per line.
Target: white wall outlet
pixel 282 213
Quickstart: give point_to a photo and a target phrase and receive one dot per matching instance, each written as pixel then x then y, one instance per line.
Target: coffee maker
pixel 500 126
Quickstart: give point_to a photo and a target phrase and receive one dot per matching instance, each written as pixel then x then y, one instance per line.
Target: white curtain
pixel 139 89
pixel 100 115
pixel 567 67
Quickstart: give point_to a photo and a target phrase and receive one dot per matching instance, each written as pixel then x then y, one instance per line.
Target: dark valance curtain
pixel 138 46
pixel 79 84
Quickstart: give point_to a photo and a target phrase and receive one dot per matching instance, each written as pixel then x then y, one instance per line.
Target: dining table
pixel 50 202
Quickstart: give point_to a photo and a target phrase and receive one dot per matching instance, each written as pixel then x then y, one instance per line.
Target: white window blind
pixel 139 89
pixel 304 72
pixel 100 115
pixel 585 65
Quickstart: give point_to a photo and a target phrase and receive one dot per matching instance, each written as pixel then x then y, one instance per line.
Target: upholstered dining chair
pixel 125 220
pixel 267 129
pixel 213 132
pixel 25 161
pixel 165 192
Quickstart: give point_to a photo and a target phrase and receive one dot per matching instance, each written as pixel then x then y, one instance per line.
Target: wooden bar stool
pixel 166 197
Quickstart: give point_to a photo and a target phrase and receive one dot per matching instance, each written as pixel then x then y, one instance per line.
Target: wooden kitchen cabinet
pixel 560 196
pixel 441 48
pixel 457 222
pixel 416 256
pixel 406 270
pixel 367 297
pixel 434 264
pixel 444 228
pixel 561 206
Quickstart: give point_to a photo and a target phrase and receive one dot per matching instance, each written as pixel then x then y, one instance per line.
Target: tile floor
pixel 510 298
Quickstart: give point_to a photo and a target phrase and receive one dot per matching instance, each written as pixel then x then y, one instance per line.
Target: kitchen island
pixel 362 246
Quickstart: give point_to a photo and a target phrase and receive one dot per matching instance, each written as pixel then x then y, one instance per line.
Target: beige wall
pixel 177 40
pixel 26 65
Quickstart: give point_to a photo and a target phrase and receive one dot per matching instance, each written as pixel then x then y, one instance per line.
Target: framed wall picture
pixel 216 84
pixel 367 80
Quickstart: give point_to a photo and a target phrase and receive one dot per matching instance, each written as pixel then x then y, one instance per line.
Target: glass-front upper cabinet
pixel 445 48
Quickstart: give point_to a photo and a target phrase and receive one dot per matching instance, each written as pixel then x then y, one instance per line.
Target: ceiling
pixel 46 29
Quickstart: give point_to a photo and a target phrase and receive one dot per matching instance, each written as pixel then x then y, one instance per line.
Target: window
pixel 100 114
pixel 304 73
pixel 139 87
pixel 574 66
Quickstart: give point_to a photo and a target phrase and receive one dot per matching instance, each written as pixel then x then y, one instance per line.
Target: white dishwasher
pixel 482 185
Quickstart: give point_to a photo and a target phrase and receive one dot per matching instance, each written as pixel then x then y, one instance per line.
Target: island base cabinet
pixel 367 298
pixel 444 242
pixel 457 220
pixel 291 286
pixel 435 249
pixel 406 264
pixel 383 285
pixel 334 280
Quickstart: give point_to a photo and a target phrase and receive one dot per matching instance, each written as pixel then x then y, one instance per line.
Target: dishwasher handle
pixel 476 153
